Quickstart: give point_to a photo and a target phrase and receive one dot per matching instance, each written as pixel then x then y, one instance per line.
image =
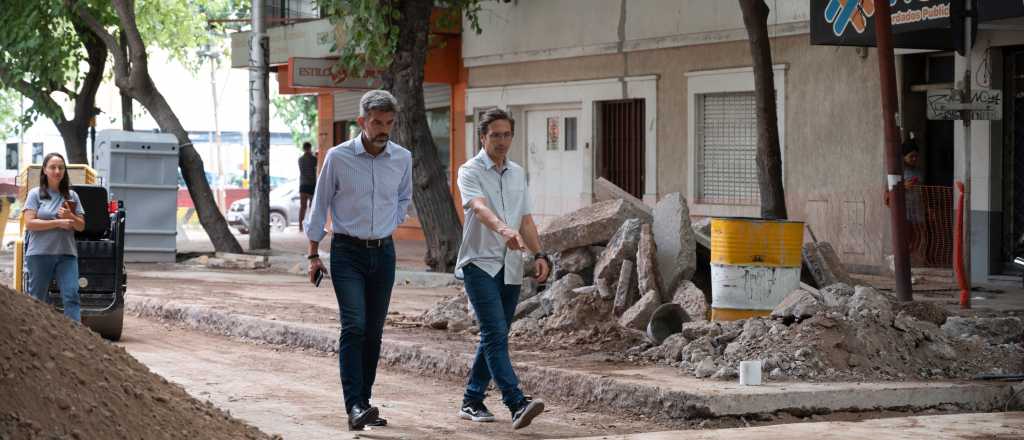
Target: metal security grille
pixel 726 135
pixel 621 134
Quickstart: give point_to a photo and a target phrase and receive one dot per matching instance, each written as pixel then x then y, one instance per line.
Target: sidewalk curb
pixel 586 389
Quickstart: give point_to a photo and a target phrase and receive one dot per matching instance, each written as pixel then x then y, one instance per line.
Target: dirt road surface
pixel 297 394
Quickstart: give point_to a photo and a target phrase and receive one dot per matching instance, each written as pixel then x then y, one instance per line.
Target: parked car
pixel 284 209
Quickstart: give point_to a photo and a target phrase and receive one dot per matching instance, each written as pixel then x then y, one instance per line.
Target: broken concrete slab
pixel 606 190
pixel 676 245
pixel 526 308
pixel 797 306
pixel 560 293
pixel 604 289
pixel 1000 330
pixel 575 260
pixel 646 264
pixel 823 264
pixel 639 315
pixel 621 247
pixel 626 289
pixel 590 225
pixel 867 303
pixel 692 300
pixel 451 312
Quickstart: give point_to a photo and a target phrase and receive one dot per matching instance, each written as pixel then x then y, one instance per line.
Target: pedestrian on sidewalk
pixel 366 186
pixel 498 228
pixel 53 212
pixel 307 180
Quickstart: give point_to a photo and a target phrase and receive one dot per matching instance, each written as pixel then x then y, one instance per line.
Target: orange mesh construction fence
pixel 930 218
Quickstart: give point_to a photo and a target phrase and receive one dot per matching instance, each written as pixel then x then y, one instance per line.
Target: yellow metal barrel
pixel 754 265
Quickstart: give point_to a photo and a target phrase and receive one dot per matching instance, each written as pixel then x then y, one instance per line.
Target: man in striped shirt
pixel 366 185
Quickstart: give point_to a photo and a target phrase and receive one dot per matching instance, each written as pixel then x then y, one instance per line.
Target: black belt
pixel 376 243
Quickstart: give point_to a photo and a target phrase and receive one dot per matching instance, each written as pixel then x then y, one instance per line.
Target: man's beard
pixel 381 141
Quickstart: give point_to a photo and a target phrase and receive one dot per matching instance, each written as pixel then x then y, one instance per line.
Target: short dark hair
pixel 492 115
pixel 306 145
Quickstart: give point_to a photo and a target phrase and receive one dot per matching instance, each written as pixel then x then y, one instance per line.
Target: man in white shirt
pixel 498 228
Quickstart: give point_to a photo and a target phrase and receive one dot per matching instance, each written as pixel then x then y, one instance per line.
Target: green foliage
pixel 39 44
pixel 371 29
pixel 8 112
pixel 299 112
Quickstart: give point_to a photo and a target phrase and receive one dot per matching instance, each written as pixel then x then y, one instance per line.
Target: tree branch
pixel 38 96
pixel 126 12
pixel 120 61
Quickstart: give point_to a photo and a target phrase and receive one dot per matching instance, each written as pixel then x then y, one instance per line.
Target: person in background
pixel 52 215
pixel 307 180
pixel 913 180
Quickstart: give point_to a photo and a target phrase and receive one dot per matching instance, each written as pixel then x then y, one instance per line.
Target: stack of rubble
pixel 846 333
pixel 616 263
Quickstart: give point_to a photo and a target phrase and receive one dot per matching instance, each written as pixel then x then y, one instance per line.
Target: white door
pixel 555 162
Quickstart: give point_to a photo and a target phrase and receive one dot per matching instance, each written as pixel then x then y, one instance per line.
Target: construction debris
pixel 822 263
pixel 647 264
pixel 854 334
pixel 622 247
pixel 591 225
pixel 676 246
pixel 626 291
pixel 605 190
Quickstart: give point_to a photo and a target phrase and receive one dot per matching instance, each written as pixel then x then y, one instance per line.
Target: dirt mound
pixel 61 381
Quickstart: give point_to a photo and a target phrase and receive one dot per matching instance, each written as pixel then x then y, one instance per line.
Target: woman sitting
pixel 52 215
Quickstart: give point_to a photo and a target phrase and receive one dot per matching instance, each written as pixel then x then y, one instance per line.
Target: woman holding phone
pixel 52 215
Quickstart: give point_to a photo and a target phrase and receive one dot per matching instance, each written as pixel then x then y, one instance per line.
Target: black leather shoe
pixel 360 416
pixel 378 422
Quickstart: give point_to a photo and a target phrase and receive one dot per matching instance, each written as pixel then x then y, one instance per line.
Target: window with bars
pixel 726 153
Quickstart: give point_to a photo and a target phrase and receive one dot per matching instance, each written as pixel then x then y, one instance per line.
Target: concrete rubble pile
pixel 615 264
pixel 846 333
pixel 624 282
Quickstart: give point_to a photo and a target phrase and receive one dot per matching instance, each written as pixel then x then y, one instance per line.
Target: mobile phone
pixel 318 277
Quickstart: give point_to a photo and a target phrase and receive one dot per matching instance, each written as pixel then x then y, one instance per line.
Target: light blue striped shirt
pixel 367 196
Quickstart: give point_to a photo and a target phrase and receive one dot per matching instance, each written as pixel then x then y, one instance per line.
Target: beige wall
pixel 833 146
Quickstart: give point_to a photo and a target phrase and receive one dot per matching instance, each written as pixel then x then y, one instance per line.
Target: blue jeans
pixel 362 278
pixel 495 304
pixel 43 268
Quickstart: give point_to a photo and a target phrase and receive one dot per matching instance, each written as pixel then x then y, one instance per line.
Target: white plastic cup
pixel 750 373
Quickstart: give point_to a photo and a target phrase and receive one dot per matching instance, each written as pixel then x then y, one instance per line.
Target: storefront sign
pixel 916 24
pixel 984 105
pixel 325 73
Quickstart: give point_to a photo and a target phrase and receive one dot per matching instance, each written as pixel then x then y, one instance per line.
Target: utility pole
pixel 893 158
pixel 216 131
pixel 259 131
pixel 965 300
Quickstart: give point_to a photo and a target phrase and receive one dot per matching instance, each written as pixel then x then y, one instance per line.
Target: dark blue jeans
pixel 362 278
pixel 495 304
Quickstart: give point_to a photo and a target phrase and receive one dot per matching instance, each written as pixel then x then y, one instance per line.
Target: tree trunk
pixel 75 134
pixel 191 164
pixel 132 77
pixel 769 158
pixel 431 196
